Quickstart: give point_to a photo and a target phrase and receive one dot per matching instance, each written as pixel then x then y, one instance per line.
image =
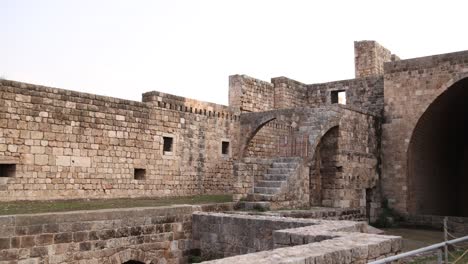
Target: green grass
pixel 33 207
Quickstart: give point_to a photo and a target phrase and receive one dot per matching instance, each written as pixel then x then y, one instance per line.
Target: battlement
pixel 183 104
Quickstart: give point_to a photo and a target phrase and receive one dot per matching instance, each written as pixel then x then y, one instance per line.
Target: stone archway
pixel 437 161
pixel 323 168
pixel 129 256
pixel 252 123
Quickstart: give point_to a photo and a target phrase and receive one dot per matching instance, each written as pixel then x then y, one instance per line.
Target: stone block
pixel 63 161
pixel 80 162
pixel 41 160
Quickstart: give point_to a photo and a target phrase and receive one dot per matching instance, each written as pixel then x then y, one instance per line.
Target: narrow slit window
pixel 139 174
pixel 225 147
pixel 7 170
pixel 168 144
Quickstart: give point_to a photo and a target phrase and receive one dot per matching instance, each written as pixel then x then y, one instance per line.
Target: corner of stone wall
pixel 369 58
pixel 248 94
pixel 289 93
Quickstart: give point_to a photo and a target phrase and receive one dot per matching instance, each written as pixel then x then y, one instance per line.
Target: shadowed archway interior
pixel 324 170
pixel 438 156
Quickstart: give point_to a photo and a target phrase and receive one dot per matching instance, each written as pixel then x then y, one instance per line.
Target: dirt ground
pixel 418 238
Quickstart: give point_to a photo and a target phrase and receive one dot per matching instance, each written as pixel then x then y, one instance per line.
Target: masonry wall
pixel 220 235
pixel 253 95
pixel 275 139
pixel 354 168
pixel 410 87
pixel 289 93
pixel 246 238
pixel 351 170
pixel 103 236
pixel 246 171
pixel 249 94
pixel 66 144
pixel 365 93
pixel 358 156
pixel 369 58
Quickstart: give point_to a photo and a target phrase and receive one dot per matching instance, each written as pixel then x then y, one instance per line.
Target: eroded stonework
pixel 279 144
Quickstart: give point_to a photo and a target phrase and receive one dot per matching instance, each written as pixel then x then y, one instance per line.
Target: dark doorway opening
pixel 438 156
pixel 133 262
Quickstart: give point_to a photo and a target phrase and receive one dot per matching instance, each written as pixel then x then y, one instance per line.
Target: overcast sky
pixel 190 47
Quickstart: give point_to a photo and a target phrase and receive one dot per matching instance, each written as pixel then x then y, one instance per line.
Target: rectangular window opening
pixel 168 144
pixel 225 147
pixel 338 97
pixel 139 174
pixel 7 170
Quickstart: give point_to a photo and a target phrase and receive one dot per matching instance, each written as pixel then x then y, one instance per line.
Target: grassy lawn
pixel 32 207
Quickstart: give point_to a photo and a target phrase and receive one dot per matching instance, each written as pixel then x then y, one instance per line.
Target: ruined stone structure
pixel 395 132
pixel 169 235
pixel 284 240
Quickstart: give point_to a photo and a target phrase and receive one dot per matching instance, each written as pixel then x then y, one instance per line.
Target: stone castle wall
pixel 253 95
pixel 111 236
pixel 103 236
pixel 349 163
pixel 410 88
pixel 249 94
pixel 289 93
pixel 66 144
pixel 365 93
pixel 272 140
pixel 369 58
pixel 57 144
pixel 247 238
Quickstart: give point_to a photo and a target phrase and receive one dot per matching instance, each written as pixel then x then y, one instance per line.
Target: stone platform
pixel 272 239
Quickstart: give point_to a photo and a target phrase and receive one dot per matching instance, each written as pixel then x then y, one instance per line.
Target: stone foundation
pixel 149 235
pixel 271 239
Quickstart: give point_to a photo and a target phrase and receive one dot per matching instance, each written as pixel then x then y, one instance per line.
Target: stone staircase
pixel 274 182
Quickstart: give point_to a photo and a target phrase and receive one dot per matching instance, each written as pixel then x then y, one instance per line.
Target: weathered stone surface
pixel 160 234
pixel 267 239
pixel 290 145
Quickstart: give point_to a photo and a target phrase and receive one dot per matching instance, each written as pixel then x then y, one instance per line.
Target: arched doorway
pixel 133 262
pixel 323 170
pixel 438 156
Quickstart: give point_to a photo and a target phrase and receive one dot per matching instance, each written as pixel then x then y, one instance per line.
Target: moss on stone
pixel 31 207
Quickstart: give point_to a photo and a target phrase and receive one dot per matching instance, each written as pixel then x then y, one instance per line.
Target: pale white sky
pixel 190 47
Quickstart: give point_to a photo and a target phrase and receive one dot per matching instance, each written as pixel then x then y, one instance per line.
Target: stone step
pixel 260 197
pixel 275 177
pixel 280 170
pixel 256 205
pixel 287 159
pixel 284 165
pixel 266 190
pixel 276 184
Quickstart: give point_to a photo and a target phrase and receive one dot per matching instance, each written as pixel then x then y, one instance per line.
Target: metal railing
pixel 437 247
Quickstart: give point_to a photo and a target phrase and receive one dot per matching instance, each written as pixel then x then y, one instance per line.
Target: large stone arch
pixel 251 123
pixel 437 153
pixel 315 139
pixel 128 256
